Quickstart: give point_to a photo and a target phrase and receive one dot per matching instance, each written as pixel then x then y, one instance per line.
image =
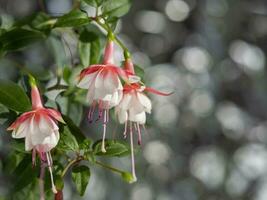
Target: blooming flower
pixel 104 87
pixel 39 128
pixel 133 108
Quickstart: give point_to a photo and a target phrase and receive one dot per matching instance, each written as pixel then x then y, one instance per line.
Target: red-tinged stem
pixel 41 181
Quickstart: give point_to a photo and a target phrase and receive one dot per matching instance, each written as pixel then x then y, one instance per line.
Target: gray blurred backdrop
pixel 207 141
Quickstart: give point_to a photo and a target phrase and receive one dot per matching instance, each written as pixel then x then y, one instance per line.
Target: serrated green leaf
pixel 80 176
pixel 89 48
pixel 18 38
pixel 116 8
pixel 73 19
pixel 113 148
pixel 13 97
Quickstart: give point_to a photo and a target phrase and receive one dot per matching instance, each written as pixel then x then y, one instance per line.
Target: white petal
pixel 135 106
pixel 99 80
pixel 139 118
pixel 145 101
pixel 87 80
pixel 28 143
pixel 22 130
pixel 125 102
pixel 111 82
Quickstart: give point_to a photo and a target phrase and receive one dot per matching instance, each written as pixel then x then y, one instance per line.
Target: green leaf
pixel 18 38
pixel 13 97
pixel 89 48
pixel 75 131
pixel 116 8
pixel 139 71
pixel 113 148
pixel 80 176
pixel 24 174
pixel 94 3
pixel 73 19
pixel 67 141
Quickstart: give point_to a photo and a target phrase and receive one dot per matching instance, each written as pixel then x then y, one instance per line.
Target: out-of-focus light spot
pixel 249 56
pixel 236 184
pixel 229 70
pixel 231 119
pixel 21 7
pixel 58 7
pixel 150 21
pixel 141 192
pixel 196 59
pixel 258 133
pixel 201 103
pixel 164 77
pixel 141 59
pixel 153 44
pixel 166 114
pixel 161 172
pixel 217 8
pixel 156 153
pixel 164 196
pixel 251 160
pixel 98 185
pixel 177 10
pixel 261 192
pixel 208 165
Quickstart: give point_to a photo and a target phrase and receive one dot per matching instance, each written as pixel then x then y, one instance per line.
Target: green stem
pixel 109 167
pixel 117 40
pixel 70 164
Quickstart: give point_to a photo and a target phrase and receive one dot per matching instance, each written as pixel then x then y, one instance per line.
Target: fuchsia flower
pixel 39 128
pixel 133 108
pixel 104 87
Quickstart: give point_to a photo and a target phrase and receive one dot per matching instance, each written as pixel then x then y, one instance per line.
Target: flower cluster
pixel 105 90
pixel 109 86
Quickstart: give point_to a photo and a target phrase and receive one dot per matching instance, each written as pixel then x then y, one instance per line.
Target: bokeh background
pixel 207 141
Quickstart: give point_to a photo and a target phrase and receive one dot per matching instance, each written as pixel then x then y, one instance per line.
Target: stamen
pixel 139 134
pixel 132 153
pixel 91 112
pixel 49 162
pixel 100 110
pixel 125 130
pixel 104 132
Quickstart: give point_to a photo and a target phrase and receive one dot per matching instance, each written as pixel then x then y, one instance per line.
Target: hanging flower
pixel 133 108
pixel 39 128
pixel 104 87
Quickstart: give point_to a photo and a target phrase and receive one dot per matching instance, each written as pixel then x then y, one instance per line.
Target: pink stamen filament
pixel 104 132
pixel 49 162
pixel 132 153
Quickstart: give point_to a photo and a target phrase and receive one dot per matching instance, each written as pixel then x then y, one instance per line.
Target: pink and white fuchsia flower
pixel 133 108
pixel 39 128
pixel 104 87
